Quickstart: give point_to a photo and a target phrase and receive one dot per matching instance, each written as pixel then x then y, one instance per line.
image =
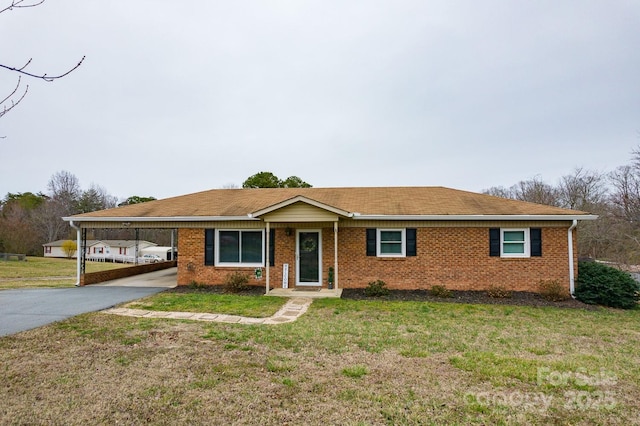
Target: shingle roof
pixel 392 201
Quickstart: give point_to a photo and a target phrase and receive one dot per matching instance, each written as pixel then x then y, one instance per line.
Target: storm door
pixel 309 258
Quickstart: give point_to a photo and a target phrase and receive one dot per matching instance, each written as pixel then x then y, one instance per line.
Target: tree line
pixel 28 220
pixel 614 196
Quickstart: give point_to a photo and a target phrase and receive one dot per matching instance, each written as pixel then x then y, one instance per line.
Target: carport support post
pixel 78 254
pixel 173 242
pixel 137 245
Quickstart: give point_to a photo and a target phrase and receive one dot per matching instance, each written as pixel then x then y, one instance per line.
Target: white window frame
pixel 527 243
pixel 217 261
pixel 403 242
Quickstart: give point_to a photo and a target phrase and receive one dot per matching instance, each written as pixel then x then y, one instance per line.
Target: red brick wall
pixel 102 276
pixel 455 257
pixel 191 262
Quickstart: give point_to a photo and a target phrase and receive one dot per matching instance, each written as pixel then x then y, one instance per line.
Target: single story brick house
pixel 334 238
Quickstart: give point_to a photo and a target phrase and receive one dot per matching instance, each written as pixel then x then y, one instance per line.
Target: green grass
pixel 46 272
pixel 248 306
pixel 343 362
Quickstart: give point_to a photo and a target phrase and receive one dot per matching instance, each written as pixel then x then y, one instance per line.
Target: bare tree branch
pixel 7 104
pixel 17 4
pixel 5 109
pixel 44 77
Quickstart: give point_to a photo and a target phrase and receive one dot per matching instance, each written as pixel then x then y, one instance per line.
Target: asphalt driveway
pixel 24 309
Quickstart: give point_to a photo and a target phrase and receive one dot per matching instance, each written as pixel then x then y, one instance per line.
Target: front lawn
pixel 46 272
pixel 247 306
pixel 343 362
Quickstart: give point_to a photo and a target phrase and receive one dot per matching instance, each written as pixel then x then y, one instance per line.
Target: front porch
pixel 315 293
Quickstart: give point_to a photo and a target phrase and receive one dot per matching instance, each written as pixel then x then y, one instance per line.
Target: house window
pixel 47 249
pixel 515 243
pixel 391 242
pixel 239 248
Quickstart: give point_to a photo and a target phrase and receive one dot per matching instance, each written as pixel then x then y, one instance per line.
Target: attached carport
pixel 82 224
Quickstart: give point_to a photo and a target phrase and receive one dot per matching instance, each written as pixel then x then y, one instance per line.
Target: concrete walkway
pixel 290 312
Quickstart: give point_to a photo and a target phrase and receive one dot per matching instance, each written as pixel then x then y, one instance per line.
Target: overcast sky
pixel 178 97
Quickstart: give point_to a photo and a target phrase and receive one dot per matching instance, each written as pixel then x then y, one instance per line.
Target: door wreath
pixel 308 244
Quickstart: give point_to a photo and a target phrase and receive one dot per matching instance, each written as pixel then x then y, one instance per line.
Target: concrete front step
pixel 312 294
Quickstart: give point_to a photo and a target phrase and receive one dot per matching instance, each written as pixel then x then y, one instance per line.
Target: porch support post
pixel 335 254
pixel 268 257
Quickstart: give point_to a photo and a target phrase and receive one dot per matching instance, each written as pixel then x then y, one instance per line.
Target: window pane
pixel 252 247
pixel 517 236
pixel 390 248
pixel 513 248
pixel 390 236
pixel 229 246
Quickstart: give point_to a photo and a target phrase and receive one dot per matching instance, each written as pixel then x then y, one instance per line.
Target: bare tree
pixel 536 191
pixel 625 197
pixel 582 190
pixel 48 220
pixel 64 187
pixel 18 94
pixel 498 191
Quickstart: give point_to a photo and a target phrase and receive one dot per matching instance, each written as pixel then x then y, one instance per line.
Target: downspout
pixel 267 272
pixel 79 245
pixel 571 265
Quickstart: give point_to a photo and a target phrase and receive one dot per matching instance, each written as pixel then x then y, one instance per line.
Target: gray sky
pixel 178 97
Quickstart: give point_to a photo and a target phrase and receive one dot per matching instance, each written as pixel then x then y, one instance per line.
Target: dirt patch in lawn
pixel 519 298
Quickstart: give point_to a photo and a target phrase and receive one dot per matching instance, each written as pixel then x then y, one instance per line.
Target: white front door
pixel 308 257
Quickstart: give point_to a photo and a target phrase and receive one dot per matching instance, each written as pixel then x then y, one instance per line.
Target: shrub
pixel 376 289
pixel 236 281
pixel 440 291
pixel 499 292
pixel 603 285
pixel 552 290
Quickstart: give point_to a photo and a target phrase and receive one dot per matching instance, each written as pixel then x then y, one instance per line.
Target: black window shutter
pixel 208 246
pixel 536 241
pixel 412 247
pixel 494 241
pixel 272 247
pixel 371 242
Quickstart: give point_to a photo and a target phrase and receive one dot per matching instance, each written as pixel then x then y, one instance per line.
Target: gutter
pixel 156 218
pixel 571 263
pixel 79 244
pixel 523 217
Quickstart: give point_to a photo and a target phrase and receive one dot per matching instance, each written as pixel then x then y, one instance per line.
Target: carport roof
pixel 359 203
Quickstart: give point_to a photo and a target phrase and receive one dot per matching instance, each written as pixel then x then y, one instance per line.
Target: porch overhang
pixel 299 200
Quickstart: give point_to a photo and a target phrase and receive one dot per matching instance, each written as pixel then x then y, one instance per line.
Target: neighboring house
pixel 409 237
pixel 101 249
